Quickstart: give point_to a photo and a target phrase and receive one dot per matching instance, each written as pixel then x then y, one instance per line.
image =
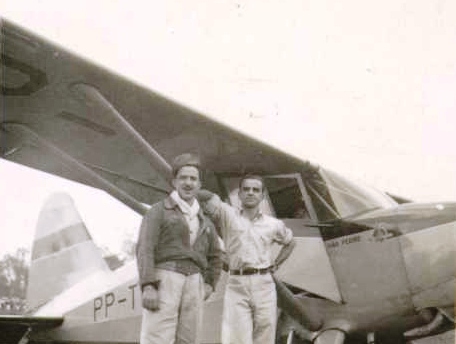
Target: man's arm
pixel 217 210
pixel 145 248
pixel 214 259
pixel 284 253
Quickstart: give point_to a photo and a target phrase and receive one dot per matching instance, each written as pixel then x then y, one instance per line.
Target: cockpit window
pixel 286 197
pixel 336 197
pixel 315 195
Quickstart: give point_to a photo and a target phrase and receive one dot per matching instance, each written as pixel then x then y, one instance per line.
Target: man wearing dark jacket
pixel 179 263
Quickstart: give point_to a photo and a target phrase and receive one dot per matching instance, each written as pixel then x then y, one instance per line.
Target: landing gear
pixel 289 331
pixel 292 338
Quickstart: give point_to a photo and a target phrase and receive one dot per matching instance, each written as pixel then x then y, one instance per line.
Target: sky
pixel 364 88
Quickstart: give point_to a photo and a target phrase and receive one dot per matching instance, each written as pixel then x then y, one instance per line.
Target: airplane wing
pixel 67 116
pixel 13 328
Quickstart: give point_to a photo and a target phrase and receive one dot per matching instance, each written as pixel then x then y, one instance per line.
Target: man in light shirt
pixel 250 305
pixel 178 255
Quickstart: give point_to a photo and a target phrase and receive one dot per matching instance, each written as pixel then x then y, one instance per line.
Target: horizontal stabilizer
pixel 13 328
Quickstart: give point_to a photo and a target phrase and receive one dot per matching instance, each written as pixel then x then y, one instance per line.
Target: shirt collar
pixel 258 215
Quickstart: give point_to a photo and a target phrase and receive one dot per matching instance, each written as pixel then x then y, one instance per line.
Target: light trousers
pixel 179 318
pixel 250 310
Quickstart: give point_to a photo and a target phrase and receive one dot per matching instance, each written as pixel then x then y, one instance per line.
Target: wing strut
pixel 26 337
pixel 67 159
pixel 154 158
pixel 306 317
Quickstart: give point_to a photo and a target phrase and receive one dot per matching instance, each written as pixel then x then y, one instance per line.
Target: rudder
pixel 63 252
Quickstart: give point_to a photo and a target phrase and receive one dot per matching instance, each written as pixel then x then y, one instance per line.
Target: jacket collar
pixel 169 203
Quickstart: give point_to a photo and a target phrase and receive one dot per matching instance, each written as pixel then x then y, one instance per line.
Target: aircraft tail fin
pixel 63 252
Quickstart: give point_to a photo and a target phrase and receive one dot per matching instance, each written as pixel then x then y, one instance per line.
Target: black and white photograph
pixel 232 172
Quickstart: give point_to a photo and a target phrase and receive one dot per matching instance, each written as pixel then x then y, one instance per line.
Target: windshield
pixel 334 196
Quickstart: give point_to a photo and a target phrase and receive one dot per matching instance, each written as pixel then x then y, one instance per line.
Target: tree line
pixel 13 282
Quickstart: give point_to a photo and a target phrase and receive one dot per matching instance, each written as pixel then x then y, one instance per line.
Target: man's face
pixel 187 183
pixel 251 193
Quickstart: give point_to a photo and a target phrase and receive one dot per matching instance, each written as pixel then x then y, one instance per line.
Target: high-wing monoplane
pixel 367 267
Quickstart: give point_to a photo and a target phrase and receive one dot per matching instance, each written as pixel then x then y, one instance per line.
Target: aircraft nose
pixel 430 261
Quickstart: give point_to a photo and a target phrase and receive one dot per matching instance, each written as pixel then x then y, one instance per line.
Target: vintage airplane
pixel 365 266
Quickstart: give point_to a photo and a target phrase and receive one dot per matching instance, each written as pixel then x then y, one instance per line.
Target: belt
pixel 183 266
pixel 251 271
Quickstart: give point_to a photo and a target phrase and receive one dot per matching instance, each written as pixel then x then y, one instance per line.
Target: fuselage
pixel 388 264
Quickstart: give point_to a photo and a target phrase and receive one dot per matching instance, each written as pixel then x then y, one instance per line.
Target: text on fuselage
pixel 115 302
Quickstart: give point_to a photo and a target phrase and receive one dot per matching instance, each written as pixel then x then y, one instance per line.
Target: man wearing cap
pixel 250 304
pixel 178 256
